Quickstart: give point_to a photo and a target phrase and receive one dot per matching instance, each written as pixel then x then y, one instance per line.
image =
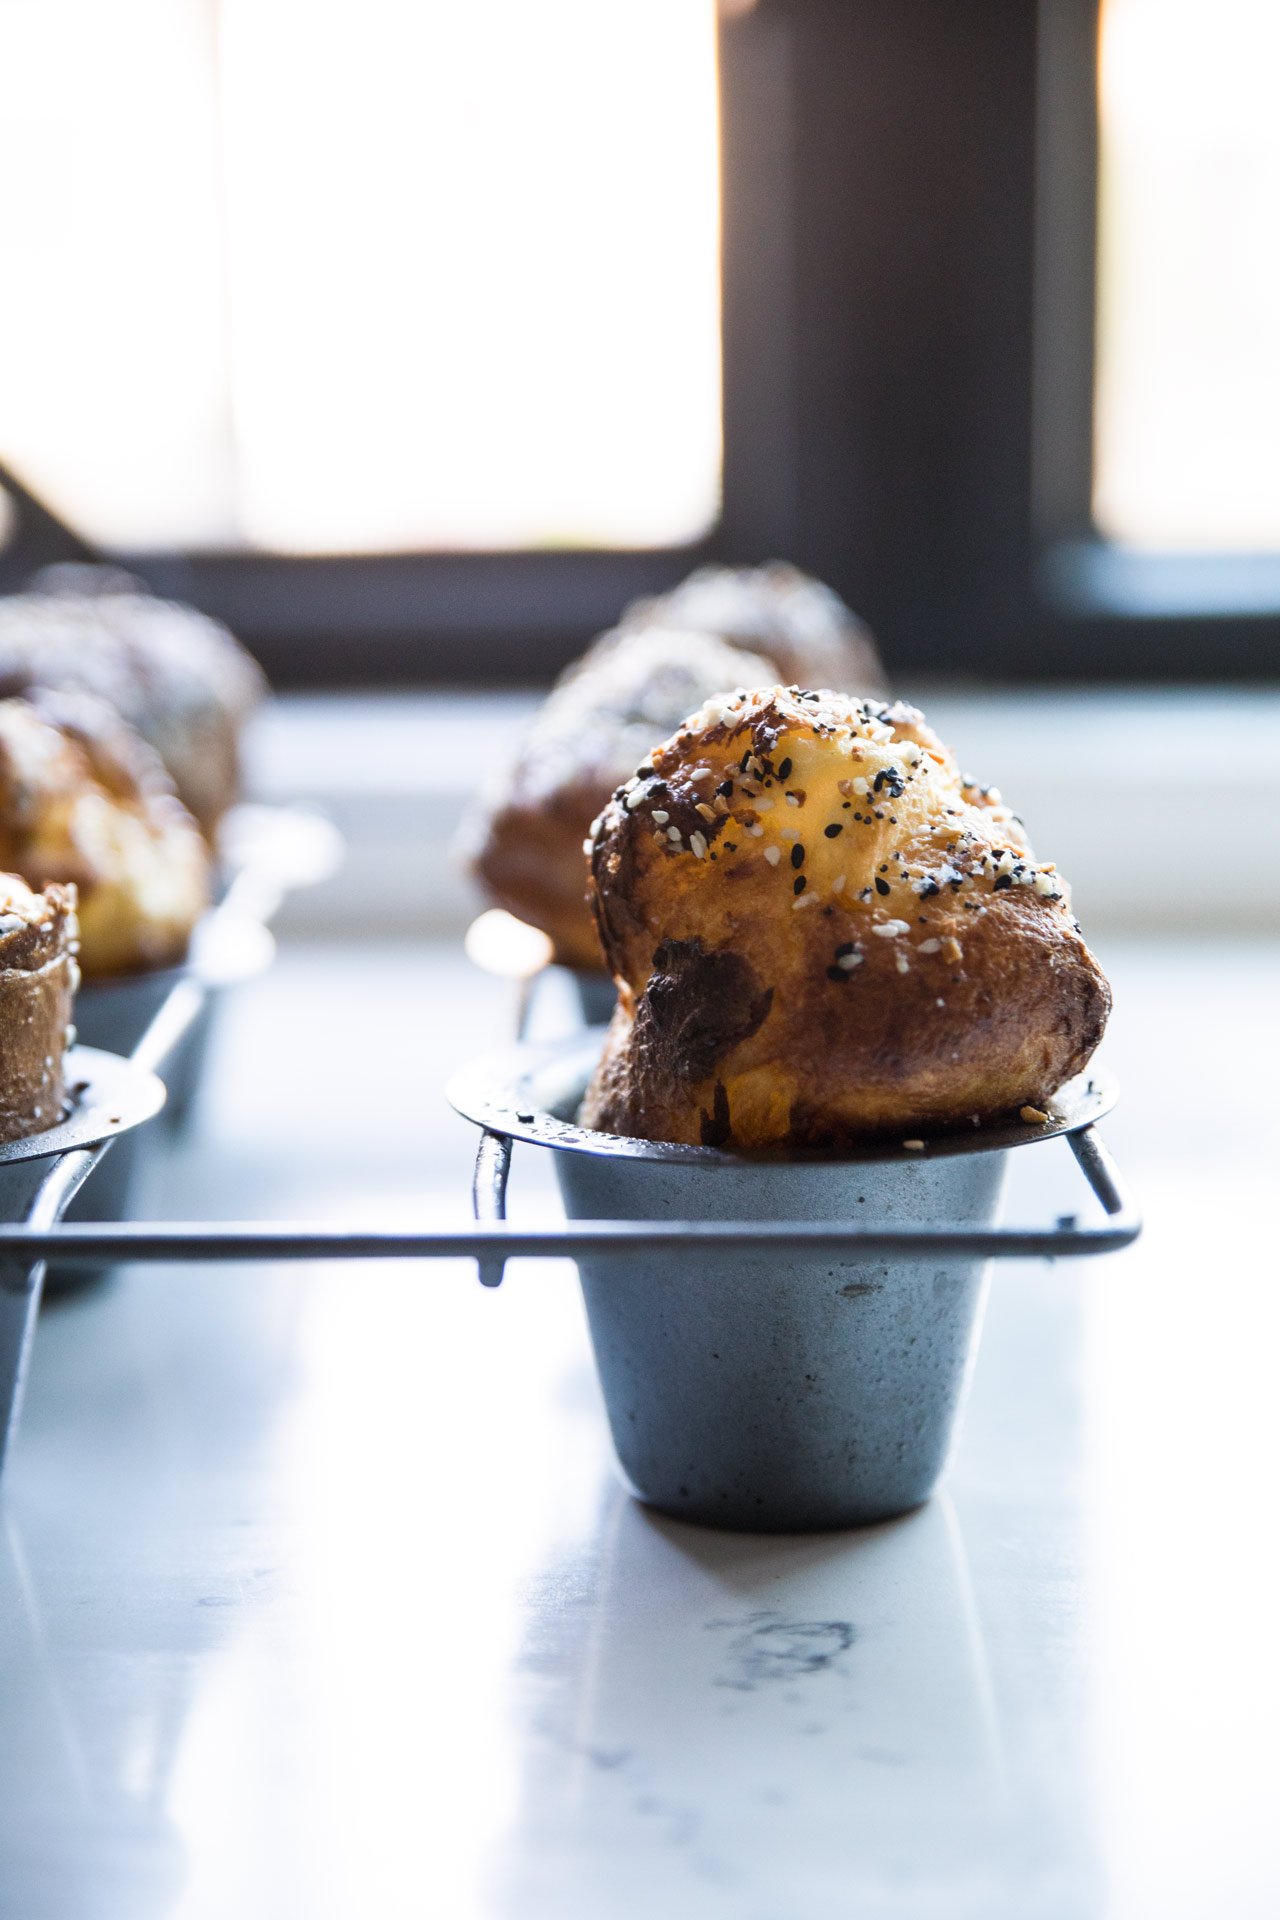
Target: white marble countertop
pixel 318 1596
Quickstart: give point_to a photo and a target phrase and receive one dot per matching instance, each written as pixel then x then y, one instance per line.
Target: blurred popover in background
pixel 85 800
pixel 820 932
pixel 801 624
pixel 179 678
pixel 722 629
pixel 38 980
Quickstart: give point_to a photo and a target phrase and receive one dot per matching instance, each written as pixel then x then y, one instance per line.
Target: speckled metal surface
pixel 772 1391
pixel 786 1388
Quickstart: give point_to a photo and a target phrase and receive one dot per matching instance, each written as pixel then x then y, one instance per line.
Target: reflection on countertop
pixel 318 1595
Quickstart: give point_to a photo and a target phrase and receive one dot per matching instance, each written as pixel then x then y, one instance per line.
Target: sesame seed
pixel 784 768
pixel 1033 1116
pixel 799 884
pixel 914 1146
pixel 661 817
pixel 797 855
pixel 929 946
pixel 904 965
pixel 773 855
pixel 674 833
pixel 756 831
pixel 837 885
pixel 708 813
pixel 834 831
pixel 891 929
pixel 848 961
pixel 793 800
pixel 698 845
pixel 882 886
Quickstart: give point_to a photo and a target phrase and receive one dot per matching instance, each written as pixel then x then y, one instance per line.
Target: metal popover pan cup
pixel 774 1387
pixel 163 1018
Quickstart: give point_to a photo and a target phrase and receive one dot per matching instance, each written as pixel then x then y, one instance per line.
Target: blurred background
pixel 414 340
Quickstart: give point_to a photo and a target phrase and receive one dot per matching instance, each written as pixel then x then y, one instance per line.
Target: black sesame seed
pixel 797 855
pixel 837 974
pixel 1002 881
pixel 882 886
pixel 798 884
pixel 731 846
pixel 784 769
pixel 850 946
pixel 725 789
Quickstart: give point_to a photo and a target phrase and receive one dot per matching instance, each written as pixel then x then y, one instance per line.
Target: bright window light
pixel 363 275
pixel 1188 379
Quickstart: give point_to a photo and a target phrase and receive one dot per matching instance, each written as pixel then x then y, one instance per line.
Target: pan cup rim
pixel 523 1090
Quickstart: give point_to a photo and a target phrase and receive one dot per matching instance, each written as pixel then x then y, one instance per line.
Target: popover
pixel 721 628
pixel 84 800
pixel 800 623
pixel 821 931
pixel 180 679
pixel 599 719
pixel 38 980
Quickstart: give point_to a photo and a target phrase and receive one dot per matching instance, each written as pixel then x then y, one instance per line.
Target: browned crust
pixel 603 715
pixel 177 677
pixel 38 979
pixel 85 802
pixel 723 628
pixel 967 989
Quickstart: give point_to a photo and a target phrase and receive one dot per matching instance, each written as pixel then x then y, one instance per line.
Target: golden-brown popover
pixel 800 623
pixel 180 679
pixel 820 932
pixel 600 718
pixel 721 628
pixel 38 980
pixel 84 800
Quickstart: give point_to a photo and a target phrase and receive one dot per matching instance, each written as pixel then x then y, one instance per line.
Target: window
pixel 966 309
pixel 336 276
pixel 1188 374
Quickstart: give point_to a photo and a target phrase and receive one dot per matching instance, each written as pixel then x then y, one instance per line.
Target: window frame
pixel 908 243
